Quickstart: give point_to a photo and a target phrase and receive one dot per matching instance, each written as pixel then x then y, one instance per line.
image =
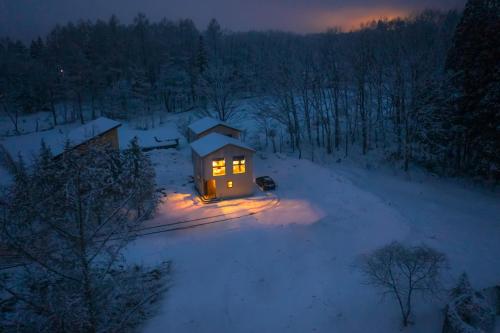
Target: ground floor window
pixel 229 184
pixel 238 164
pixel 219 167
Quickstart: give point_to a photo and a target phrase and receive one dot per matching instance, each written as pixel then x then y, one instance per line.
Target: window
pixel 219 167
pixel 239 164
pixel 229 184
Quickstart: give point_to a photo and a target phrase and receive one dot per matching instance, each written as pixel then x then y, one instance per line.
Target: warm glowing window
pixel 219 167
pixel 239 164
pixel 229 184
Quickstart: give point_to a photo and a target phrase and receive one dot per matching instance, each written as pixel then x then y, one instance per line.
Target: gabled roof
pixel 215 141
pixel 90 130
pixel 28 145
pixel 206 123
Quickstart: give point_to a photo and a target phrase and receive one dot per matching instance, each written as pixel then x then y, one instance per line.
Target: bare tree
pixel 13 114
pixel 402 271
pixel 220 86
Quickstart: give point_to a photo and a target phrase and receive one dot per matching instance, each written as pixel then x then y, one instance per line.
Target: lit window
pixel 229 184
pixel 219 167
pixel 239 164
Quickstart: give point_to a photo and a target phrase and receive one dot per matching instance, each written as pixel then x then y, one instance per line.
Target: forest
pixel 421 90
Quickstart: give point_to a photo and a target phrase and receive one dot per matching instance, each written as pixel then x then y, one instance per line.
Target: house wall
pixel 191 136
pixel 110 137
pixel 221 129
pixel 198 172
pixel 243 184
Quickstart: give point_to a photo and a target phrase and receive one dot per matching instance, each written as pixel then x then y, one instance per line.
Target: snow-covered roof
pixel 90 130
pixel 206 123
pixel 215 141
pixel 28 145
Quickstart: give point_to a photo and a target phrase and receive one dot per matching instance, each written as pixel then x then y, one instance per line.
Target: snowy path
pixel 292 268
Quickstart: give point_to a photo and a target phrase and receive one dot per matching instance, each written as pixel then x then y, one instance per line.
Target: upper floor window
pixel 239 164
pixel 219 167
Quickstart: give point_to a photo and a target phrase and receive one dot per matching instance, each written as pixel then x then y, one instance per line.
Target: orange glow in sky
pixel 351 18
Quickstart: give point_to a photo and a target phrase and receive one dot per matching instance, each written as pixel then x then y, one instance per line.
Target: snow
pixel 151 138
pixel 293 267
pixel 39 121
pixel 206 123
pixel 28 145
pixel 215 141
pixel 90 130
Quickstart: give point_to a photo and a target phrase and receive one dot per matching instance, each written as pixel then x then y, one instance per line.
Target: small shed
pixel 222 167
pixel 96 132
pixel 207 125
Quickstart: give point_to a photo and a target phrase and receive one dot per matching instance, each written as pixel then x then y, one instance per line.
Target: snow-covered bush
pixel 68 219
pixel 468 311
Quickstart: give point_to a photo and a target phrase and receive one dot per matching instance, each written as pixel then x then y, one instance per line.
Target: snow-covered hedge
pixel 468 311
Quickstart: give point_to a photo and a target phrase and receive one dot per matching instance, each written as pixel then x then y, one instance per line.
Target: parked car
pixel 265 183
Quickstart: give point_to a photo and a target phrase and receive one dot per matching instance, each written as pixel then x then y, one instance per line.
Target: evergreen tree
pixel 201 56
pixel 69 220
pixel 213 37
pixel 139 175
pixel 475 72
pixel 463 286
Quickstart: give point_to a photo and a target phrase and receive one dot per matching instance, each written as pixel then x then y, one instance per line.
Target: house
pixel 222 166
pixel 207 125
pixel 100 131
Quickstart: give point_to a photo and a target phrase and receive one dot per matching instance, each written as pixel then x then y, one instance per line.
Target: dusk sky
pixel 28 18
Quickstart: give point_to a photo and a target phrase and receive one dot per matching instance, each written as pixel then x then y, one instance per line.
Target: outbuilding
pixel 207 125
pixel 222 167
pixel 101 131
pixel 98 132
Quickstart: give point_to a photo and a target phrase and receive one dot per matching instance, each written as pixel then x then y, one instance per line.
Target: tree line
pixel 421 89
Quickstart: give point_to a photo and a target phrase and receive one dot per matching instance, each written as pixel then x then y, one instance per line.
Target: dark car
pixel 265 183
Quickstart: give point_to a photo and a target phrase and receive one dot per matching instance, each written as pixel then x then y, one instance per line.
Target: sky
pixel 26 19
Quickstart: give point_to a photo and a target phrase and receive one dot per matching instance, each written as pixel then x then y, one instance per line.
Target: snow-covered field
pixel 293 267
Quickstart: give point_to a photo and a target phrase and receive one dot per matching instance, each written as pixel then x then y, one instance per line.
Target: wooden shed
pixel 222 167
pixel 96 132
pixel 207 125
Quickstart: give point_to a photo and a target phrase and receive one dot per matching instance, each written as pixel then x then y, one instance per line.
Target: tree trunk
pixel 80 107
pixel 53 108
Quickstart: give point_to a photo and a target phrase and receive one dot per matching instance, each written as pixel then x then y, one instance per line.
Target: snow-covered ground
pixel 28 144
pixel 293 267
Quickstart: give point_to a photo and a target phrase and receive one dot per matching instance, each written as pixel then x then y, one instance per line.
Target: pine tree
pixel 475 70
pixel 213 37
pixel 463 287
pixel 140 175
pixel 201 56
pixel 69 219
